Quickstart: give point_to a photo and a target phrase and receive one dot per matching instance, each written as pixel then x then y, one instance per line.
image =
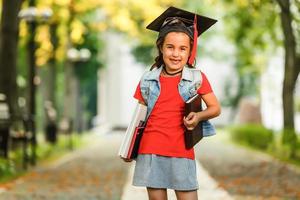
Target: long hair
pixel 159 61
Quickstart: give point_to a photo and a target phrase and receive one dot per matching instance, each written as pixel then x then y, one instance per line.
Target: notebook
pixel 192 137
pixel 133 135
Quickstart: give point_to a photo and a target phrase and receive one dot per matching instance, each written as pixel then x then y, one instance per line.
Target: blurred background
pixel 69 66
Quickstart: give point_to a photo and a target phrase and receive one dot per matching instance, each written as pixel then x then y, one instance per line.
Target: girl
pixel 163 161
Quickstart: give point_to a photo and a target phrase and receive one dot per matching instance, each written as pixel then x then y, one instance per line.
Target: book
pixel 133 135
pixel 192 137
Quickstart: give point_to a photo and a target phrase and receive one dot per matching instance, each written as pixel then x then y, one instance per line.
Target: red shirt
pixel 164 133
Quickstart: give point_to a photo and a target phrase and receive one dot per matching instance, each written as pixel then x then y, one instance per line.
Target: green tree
pixel 88 78
pixel 65 29
pixel 251 26
pixel 254 27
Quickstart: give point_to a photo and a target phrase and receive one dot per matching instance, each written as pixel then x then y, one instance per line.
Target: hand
pixel 126 159
pixel 191 121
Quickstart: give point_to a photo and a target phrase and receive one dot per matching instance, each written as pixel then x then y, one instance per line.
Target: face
pixel 176 51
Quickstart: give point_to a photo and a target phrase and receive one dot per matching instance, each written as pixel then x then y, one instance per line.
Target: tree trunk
pixel 9 31
pixel 52 65
pixel 291 72
pixel 70 82
pixel 50 78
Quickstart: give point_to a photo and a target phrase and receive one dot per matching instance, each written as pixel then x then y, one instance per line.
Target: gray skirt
pixel 156 171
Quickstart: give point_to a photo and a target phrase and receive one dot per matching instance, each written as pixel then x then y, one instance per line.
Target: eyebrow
pixel 173 45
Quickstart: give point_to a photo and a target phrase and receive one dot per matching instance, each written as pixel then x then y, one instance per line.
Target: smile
pixel 175 61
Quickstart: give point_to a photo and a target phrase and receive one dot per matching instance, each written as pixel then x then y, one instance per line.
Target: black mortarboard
pixel 203 23
pixel 188 23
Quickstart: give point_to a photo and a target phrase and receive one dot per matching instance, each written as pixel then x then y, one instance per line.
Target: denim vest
pixel 187 87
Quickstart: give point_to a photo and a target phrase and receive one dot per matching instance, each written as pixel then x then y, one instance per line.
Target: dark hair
pixel 159 61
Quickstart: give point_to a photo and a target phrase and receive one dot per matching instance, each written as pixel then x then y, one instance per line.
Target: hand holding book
pixel 192 120
pixel 194 129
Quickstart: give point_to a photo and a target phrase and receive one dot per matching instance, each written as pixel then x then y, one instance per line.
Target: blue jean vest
pixel 187 87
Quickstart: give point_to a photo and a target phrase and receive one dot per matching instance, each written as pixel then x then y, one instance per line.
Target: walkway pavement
pixel 247 174
pixel 96 173
pixel 92 173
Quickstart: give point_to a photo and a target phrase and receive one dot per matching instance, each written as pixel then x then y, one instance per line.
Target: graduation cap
pixel 178 20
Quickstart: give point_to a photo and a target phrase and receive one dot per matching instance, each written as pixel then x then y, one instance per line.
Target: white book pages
pixel 192 98
pixel 138 115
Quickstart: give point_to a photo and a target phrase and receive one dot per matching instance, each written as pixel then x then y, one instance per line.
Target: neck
pixel 171 73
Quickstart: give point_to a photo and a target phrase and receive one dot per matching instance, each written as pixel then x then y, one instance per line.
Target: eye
pixel 183 48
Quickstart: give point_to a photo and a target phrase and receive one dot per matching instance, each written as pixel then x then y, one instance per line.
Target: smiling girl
pixel 163 161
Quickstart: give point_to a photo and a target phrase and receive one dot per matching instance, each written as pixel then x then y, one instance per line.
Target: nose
pixel 175 53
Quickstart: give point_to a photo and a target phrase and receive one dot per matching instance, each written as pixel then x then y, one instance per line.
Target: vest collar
pixel 187 74
pixel 155 73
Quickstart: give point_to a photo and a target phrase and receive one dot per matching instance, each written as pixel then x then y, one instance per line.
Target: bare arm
pixel 213 107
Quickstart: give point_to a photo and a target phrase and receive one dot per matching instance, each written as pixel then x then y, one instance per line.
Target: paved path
pixel 96 173
pixel 248 174
pixel 93 173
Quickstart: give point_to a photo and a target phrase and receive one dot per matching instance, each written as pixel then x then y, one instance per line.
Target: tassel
pixel 194 49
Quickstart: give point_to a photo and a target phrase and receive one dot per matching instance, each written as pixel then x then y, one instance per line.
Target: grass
pixel 283 152
pixel 274 147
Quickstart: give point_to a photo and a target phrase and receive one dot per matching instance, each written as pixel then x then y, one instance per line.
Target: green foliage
pixel 284 146
pixel 285 151
pixel 87 73
pixel 87 70
pixel 289 138
pixel 91 40
pixel 297 106
pixel 295 9
pixel 6 167
pixel 253 135
pixel 144 53
pixel 253 28
pixel 9 169
pixel 89 93
pixel 50 151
